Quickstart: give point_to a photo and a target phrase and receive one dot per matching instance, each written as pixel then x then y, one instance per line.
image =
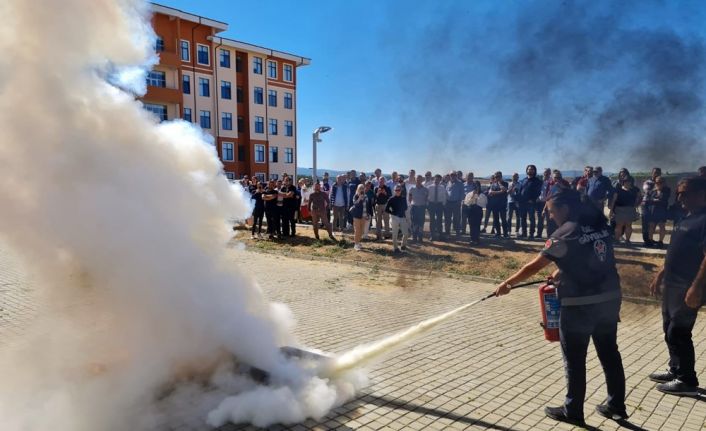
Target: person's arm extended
pixel 698 288
pixel 527 271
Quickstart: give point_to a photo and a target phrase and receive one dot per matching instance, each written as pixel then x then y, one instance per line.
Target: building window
pixel 227 121
pixel 204 87
pixel 272 97
pixel 225 90
pixel 205 119
pixel 258 97
pixel 257 65
pixel 288 128
pixel 185 51
pixel 230 175
pixel 273 126
pixel 186 84
pixel 227 151
pixel 288 100
pixel 187 115
pixel 260 176
pixel 225 58
pixel 202 54
pixel 287 68
pixel 159 44
pixel 259 125
pixel 241 153
pixel 241 124
pixel 238 63
pixel 155 78
pixel 289 155
pixel 274 153
pixel 239 94
pixel 272 69
pixel 259 153
pixel 274 177
pixel 159 110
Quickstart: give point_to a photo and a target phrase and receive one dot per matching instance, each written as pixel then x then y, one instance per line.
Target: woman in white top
pixel 304 207
pixel 475 201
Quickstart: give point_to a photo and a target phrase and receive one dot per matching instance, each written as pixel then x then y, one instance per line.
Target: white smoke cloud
pixel 122 221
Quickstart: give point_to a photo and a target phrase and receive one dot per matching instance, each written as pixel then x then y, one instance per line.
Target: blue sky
pixel 487 85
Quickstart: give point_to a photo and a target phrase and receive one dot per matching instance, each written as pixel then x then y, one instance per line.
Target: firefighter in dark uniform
pixel 682 283
pixel 588 287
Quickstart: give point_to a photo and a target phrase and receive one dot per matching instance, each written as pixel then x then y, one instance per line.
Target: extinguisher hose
pixel 529 283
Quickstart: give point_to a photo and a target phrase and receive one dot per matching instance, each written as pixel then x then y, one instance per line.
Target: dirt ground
pixel 492 259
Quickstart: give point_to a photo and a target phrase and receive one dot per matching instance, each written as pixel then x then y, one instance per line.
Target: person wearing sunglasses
pixel 682 284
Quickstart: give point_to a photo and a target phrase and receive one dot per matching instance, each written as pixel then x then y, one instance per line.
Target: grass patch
pixel 493 259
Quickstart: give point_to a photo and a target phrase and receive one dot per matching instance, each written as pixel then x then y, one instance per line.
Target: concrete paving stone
pixel 487 365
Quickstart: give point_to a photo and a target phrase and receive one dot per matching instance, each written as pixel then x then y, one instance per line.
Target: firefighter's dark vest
pixel 584 255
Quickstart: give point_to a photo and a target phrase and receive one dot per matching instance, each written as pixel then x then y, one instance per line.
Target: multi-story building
pixel 244 95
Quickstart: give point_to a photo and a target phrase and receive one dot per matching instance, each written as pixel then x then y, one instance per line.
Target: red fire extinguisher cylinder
pixel 551 308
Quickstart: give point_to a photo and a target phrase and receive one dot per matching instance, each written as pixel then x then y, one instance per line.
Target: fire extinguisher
pixel 551 308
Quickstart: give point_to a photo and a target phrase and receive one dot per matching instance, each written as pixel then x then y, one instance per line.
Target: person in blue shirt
pixel 452 208
pixel 529 189
pixel 468 187
pixel 600 189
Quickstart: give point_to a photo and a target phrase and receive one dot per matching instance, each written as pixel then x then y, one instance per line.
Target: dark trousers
pixel 257 216
pixel 418 213
pixel 678 322
pixel 452 213
pixel 465 214
pixel 499 219
pixel 527 211
pixel 577 326
pixel 284 217
pixel 539 209
pixel 513 210
pixel 645 220
pixel 272 215
pixel 289 221
pixel 475 214
pixel 436 211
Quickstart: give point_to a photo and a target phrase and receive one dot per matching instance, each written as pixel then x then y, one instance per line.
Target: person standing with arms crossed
pixel 588 287
pixel 682 284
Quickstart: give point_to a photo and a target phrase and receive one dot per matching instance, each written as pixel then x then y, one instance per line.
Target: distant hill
pixel 301 172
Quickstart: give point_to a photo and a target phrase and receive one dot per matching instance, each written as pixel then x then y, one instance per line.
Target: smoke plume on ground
pixel 122 222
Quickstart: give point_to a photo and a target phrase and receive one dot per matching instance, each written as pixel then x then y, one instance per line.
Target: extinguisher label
pixel 552 306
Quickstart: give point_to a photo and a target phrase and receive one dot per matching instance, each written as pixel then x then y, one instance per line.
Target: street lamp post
pixel 315 139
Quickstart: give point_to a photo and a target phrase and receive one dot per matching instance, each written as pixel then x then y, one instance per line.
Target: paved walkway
pixel 488 368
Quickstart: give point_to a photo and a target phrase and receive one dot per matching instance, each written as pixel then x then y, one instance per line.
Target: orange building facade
pixel 243 95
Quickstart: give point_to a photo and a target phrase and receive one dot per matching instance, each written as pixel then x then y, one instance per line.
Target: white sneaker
pixel 357 247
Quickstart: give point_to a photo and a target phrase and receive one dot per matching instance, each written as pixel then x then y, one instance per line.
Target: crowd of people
pixel 573 214
pixel 398 207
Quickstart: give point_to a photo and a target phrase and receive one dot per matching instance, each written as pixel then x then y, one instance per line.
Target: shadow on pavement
pixel 629 426
pixel 387 402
